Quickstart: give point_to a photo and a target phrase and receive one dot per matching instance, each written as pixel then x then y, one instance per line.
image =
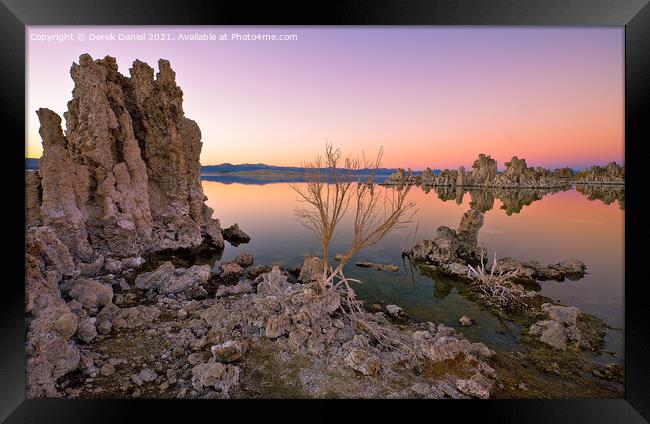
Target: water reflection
pixel 605 193
pixel 482 199
pixel 540 225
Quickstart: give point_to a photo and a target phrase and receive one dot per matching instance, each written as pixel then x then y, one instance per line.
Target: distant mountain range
pixel 32 164
pixel 257 167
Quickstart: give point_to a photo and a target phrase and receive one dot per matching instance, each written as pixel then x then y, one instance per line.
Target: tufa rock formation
pixel 613 173
pixel 124 178
pixel 452 250
pixel 484 174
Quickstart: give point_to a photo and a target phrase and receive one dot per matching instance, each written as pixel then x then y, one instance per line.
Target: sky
pixel 431 96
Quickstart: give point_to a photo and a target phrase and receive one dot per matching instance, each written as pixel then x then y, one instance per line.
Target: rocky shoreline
pixel 574 337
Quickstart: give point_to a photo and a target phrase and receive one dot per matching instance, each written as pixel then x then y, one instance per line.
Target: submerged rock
pixel 394 311
pixel 378 267
pixel 465 321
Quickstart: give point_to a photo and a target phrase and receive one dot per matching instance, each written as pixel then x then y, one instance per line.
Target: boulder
pixel 312 269
pixel 560 330
pixel 86 331
pixel 239 288
pixel 363 362
pixel 230 271
pixel 229 351
pixel 551 332
pixel 465 321
pixel 257 270
pixel 167 279
pixel 215 375
pixel 477 386
pixel 244 260
pixel 567 315
pixel 394 311
pixel 235 236
pixel 91 294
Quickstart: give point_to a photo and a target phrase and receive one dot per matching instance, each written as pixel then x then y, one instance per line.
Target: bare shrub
pixel 497 285
pixel 331 185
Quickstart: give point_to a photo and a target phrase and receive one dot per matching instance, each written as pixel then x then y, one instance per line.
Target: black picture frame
pixel 15 15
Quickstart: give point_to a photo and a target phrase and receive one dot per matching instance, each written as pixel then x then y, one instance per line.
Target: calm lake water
pixel 557 227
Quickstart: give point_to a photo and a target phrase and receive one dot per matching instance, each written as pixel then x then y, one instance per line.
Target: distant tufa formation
pixel 124 179
pixel 613 173
pixel 516 175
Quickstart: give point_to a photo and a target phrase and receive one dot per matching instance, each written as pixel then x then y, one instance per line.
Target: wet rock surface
pixel 453 250
pixel 378 267
pixel 235 236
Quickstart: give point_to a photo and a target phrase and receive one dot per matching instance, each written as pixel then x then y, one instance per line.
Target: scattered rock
pixel 394 311
pixel 169 280
pixel 86 332
pixel 215 375
pixel 107 370
pixel 230 271
pixel 147 375
pixel 477 387
pixel 257 270
pixel 378 267
pixel 466 321
pixel 244 260
pixel 312 270
pixel 90 293
pixel 237 289
pixel 235 236
pixel 363 362
pixel 230 351
pixel 560 330
pixel 610 371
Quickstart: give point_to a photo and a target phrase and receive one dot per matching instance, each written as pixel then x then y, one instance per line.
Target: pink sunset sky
pixel 432 96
